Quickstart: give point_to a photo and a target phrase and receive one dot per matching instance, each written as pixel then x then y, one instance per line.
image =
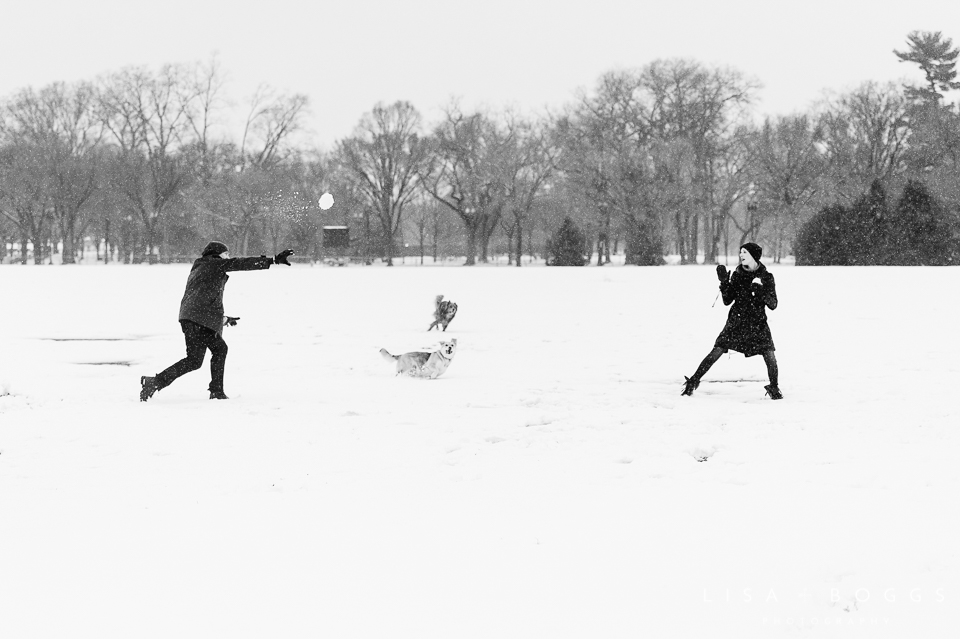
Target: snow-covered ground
pixel 553 483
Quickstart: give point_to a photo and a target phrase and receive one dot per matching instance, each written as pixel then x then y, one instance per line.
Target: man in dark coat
pixel 751 289
pixel 202 319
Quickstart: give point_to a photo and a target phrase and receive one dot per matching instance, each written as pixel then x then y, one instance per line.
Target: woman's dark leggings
pixel 769 358
pixel 198 339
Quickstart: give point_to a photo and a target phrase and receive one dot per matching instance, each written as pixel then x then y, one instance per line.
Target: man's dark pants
pixel 198 339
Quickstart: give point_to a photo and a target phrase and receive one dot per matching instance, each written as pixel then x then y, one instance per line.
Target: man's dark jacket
pixel 203 298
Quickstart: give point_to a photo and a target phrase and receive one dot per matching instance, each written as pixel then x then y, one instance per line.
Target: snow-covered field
pixel 552 483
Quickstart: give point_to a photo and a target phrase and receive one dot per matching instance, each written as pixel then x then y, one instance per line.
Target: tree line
pixel 668 158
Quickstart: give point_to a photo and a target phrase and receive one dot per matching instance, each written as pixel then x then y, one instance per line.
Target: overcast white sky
pixel 531 54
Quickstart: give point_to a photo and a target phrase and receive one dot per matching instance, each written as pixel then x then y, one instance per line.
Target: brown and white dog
pixel 424 364
pixel 444 313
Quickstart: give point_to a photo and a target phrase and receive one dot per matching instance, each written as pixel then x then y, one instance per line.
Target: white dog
pixel 424 364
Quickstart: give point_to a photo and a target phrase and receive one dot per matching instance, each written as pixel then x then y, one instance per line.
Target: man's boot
pixel 148 386
pixel 773 391
pixel 690 385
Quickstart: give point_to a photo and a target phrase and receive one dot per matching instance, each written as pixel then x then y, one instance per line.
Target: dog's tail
pixel 387 356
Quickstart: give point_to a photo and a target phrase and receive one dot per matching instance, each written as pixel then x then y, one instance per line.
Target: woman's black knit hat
pixel 214 248
pixel 754 250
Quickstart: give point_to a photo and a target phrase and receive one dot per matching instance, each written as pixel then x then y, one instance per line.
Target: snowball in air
pixel 326 201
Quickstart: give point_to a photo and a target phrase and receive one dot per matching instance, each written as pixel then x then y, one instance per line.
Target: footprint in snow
pixel 702 454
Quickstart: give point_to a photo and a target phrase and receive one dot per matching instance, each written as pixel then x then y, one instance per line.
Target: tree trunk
pixel 68 247
pixel 606 238
pixel 695 239
pixel 422 229
pixel 366 236
pixel 388 249
pixel 709 233
pixel 484 241
pixel 680 231
pixel 164 241
pixel 471 245
pixel 150 239
pixel 708 252
pixel 39 244
pixel 519 243
pixel 106 241
pixel 726 239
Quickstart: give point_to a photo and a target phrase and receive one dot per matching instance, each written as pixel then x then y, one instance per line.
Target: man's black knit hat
pixel 214 248
pixel 754 250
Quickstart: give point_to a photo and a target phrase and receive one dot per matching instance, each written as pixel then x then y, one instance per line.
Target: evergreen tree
pixel 921 232
pixel 820 240
pixel 847 236
pixel 917 231
pixel 568 246
pixel 866 228
pixel 937 58
pixel 643 245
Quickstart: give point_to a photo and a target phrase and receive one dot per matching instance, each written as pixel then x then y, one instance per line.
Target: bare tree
pixel 425 222
pixel 602 140
pixel 237 203
pixel 532 163
pixel 386 157
pixel 24 198
pixel 272 120
pixel 467 174
pixel 787 166
pixel 58 127
pixel 675 173
pixel 202 94
pixel 146 116
pixel 703 107
pixel 731 176
pixel 865 135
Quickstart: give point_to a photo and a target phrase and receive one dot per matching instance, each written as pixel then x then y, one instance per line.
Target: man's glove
pixel 722 274
pixel 282 256
pixel 230 321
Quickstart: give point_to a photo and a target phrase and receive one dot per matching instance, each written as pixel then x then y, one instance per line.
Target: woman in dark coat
pixel 751 289
pixel 202 319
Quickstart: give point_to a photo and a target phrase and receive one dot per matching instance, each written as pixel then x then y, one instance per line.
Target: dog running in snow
pixel 443 314
pixel 424 364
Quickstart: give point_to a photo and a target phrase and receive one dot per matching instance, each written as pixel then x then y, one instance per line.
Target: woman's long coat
pixel 751 293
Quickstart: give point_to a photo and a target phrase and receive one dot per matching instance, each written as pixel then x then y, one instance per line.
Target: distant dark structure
pixel 336 237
